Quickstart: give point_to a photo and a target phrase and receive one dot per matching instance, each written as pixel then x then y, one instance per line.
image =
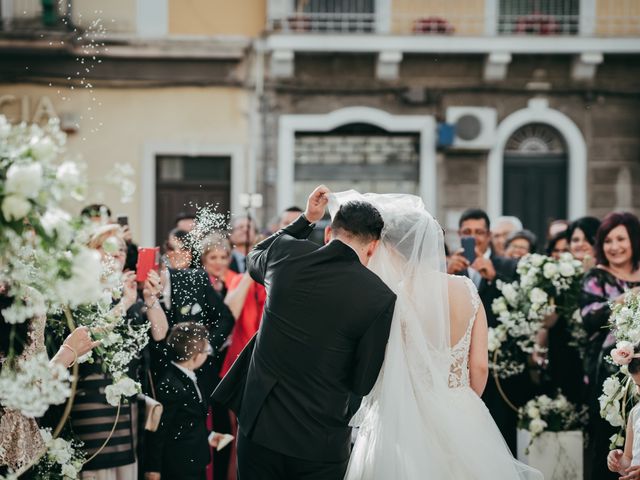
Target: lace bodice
pixel 459 370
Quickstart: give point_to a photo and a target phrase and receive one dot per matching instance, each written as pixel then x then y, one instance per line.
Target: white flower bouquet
pixel 545 286
pixel 62 460
pixel 544 414
pixel 617 397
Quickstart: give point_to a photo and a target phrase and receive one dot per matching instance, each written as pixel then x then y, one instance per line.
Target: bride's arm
pixel 478 353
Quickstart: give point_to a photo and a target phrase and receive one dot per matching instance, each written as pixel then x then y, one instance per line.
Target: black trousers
pixel 256 462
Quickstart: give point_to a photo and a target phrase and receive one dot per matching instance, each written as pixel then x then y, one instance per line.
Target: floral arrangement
pixel 47 273
pixel 545 286
pixel 544 414
pixel 63 459
pixel 617 396
pixel 34 385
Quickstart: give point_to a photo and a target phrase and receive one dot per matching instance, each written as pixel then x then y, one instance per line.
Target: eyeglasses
pixel 467 232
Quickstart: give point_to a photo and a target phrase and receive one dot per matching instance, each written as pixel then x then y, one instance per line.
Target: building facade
pixel 523 107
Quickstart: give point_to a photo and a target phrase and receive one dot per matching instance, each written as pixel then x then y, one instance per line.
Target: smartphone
pixel 148 259
pixel 469 247
pixel 123 220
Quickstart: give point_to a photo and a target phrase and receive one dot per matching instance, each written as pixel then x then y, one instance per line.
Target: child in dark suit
pixel 179 449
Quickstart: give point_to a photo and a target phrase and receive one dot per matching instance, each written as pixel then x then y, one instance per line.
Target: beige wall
pixel 617 17
pixel 132 118
pixel 217 17
pixel 116 16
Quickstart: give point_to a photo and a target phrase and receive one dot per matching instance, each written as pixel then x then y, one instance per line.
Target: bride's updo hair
pixel 358 219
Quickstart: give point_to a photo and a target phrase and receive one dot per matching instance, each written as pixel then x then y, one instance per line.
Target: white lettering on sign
pixel 18 109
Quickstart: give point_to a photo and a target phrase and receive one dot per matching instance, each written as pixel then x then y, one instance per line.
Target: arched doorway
pixel 535 177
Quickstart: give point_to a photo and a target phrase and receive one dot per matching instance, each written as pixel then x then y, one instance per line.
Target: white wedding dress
pixel 422 420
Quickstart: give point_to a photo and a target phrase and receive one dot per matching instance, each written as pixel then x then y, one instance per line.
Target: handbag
pixel 153 409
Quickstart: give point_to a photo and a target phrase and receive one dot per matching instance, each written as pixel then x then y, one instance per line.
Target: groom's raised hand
pixel 316 203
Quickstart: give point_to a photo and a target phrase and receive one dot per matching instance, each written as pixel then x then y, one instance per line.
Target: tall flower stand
pixel 558 455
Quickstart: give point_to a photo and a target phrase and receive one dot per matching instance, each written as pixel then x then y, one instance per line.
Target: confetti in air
pixel 209 223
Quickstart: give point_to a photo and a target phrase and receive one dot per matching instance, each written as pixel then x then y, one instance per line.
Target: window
pixel 539 17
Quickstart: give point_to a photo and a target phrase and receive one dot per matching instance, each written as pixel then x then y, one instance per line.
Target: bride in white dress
pixel 424 418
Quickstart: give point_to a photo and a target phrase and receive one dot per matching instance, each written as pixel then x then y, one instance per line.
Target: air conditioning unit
pixel 475 127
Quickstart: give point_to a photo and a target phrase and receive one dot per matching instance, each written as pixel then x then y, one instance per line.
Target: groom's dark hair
pixel 358 219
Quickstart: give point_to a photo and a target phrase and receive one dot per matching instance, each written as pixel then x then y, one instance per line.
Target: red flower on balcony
pixel 433 25
pixel 299 23
pixel 537 24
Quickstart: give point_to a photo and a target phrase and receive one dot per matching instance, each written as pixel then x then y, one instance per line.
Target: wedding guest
pixel 243 237
pixel 502 228
pixel 556 227
pixel 178 254
pixel 97 213
pixel 617 253
pixel 520 243
pixel 20 439
pixel 185 221
pixel 288 216
pixel 557 245
pixel 216 258
pixel 179 449
pixel 627 463
pixel 92 417
pixel 582 234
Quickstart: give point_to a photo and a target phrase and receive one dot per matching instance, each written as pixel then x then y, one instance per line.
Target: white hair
pixel 514 221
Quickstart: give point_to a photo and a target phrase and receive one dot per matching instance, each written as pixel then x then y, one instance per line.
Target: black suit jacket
pixel 193 299
pixel 180 445
pixel 488 290
pixel 323 335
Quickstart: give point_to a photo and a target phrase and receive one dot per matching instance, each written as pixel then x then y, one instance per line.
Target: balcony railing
pixel 34 15
pixel 600 18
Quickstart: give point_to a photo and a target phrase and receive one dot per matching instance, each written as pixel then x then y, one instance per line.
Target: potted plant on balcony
pixel 432 25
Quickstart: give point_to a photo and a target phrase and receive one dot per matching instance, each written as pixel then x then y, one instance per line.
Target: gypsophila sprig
pixel 545 286
pixel 34 385
pixel 544 414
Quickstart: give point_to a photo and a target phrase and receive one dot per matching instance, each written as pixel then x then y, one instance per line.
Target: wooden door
pixel 535 190
pixel 184 183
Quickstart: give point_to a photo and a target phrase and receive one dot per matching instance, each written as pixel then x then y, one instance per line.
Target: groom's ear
pixel 327 234
pixel 372 248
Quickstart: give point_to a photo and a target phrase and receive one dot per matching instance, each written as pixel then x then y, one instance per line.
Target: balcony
pixel 471 18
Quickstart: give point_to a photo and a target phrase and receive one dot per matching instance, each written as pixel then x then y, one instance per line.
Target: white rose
pixel 84 286
pixel 537 426
pixel 538 296
pixel 24 180
pixel 614 417
pixel 60 451
pixel 550 270
pixel 499 305
pixel 567 269
pixel 69 471
pixel 610 386
pixel 68 173
pixel 533 412
pixel 544 401
pixel 113 395
pixel 15 207
pixel 509 292
pixel 536 259
pixel 43 149
pixel 57 221
pixel 127 386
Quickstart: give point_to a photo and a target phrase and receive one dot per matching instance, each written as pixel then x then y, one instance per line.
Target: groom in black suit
pixel 323 336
